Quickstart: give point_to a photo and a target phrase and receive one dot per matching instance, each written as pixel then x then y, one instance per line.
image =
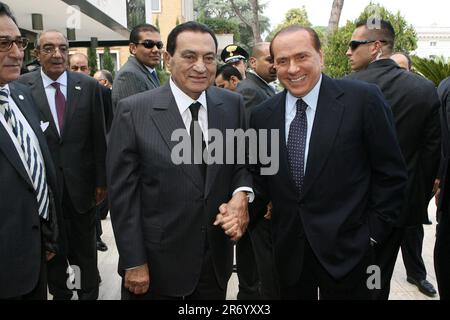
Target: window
pixel 135 13
pixel 433 44
pixel 156 5
pixel 115 59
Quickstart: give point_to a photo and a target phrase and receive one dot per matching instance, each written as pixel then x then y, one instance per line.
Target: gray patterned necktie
pixel 35 165
pixel 296 144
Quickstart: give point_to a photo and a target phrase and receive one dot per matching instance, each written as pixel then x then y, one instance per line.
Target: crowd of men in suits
pixel 360 159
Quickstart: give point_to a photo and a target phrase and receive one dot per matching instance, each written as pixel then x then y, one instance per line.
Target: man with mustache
pixel 139 74
pixel 69 104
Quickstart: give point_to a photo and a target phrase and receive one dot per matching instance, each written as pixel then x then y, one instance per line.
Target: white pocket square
pixel 44 126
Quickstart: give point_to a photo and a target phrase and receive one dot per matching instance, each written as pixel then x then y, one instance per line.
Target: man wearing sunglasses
pixel 138 74
pixel 415 105
pixel 28 233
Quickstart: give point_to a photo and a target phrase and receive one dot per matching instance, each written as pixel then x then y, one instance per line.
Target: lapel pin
pixel 21 97
pixel 78 87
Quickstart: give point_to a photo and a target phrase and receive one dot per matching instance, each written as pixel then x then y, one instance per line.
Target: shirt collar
pixel 254 73
pixel 62 80
pixel 183 100
pixel 149 69
pixel 310 99
pixel 6 86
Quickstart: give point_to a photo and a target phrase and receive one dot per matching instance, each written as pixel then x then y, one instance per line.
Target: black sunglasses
pixel 150 44
pixel 354 44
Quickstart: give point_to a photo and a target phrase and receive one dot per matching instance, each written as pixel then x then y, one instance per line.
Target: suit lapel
pixel 26 109
pixel 325 128
pixel 40 99
pixel 74 91
pixel 168 119
pixel 216 114
pixel 145 71
pixel 277 120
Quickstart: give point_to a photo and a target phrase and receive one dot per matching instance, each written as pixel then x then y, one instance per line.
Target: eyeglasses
pixel 6 43
pixel 148 44
pixel 52 50
pixel 354 44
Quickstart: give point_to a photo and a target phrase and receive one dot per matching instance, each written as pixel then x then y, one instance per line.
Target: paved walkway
pixel 400 288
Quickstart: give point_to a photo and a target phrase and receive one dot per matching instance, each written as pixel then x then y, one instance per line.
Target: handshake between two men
pixel 233 218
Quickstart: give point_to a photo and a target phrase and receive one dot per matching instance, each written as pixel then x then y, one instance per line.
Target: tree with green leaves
pixel 92 60
pixel 293 16
pixel 336 62
pixel 108 63
pixel 222 10
pixel 435 70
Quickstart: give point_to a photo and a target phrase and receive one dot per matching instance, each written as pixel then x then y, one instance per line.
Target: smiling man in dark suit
pixel 29 195
pixel 164 215
pixel 340 183
pixel 70 105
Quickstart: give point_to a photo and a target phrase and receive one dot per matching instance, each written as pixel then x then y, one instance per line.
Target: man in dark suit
pixel 254 251
pixel 341 177
pixel 162 212
pixel 442 246
pixel 138 74
pixel 29 196
pixel 69 104
pixel 415 105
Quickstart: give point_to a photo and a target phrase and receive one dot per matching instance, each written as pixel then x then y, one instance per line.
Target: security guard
pixel 236 56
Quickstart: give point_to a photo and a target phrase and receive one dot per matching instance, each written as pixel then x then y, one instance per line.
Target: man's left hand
pixel 233 216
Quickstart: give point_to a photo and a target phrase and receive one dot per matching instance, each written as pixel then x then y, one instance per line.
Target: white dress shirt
pixel 26 127
pixel 311 100
pixel 50 92
pixel 183 102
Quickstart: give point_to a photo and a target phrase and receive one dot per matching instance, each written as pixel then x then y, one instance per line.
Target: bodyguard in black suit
pixel 29 203
pixel 170 243
pixel 341 177
pixel 442 246
pixel 415 105
pixel 69 104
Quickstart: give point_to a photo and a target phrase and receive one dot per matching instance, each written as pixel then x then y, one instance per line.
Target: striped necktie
pixel 35 165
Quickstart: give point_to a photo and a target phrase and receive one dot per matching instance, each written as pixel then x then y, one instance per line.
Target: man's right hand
pixel 137 280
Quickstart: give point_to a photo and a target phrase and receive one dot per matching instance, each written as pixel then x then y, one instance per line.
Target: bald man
pixel 403 60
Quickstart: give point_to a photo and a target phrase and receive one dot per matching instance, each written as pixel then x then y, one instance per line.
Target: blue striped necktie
pixel 297 144
pixel 34 162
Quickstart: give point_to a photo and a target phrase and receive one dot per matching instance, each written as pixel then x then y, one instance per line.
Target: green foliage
pixel 177 22
pixel 108 63
pixel 92 60
pixel 435 70
pixel 293 16
pixel 157 22
pixel 135 13
pixel 336 62
pixel 220 25
pixel 222 9
pixel 163 75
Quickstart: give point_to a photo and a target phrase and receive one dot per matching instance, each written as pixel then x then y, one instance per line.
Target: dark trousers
pixel 82 252
pixel 412 252
pixel 98 222
pixel 246 269
pixel 442 257
pixel 386 256
pixel 315 282
pixel 207 287
pixel 263 249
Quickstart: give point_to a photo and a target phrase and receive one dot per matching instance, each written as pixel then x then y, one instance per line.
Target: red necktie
pixel 60 102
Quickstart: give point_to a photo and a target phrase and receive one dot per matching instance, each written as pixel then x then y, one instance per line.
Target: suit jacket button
pixel 30 189
pixel 35 227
